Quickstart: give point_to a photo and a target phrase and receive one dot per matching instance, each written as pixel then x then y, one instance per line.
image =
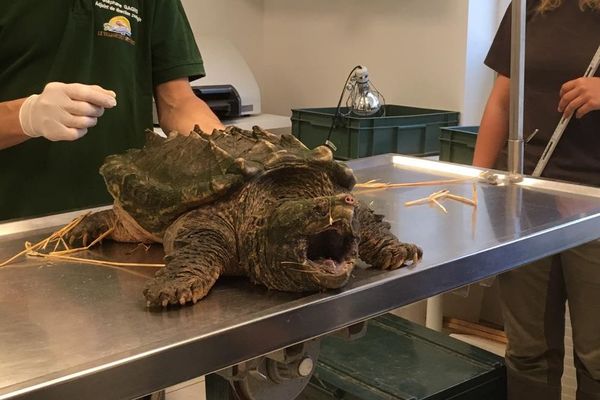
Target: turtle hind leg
pixel 198 249
pixel 91 227
pixel 121 226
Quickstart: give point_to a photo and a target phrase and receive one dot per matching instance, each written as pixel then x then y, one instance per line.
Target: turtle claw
pixel 397 255
pixel 88 229
pixel 416 258
pixel 184 295
pixel 167 288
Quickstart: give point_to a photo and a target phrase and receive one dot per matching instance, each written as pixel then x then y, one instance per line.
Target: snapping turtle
pixel 245 203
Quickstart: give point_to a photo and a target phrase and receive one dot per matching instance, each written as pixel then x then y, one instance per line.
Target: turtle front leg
pixel 198 249
pixel 378 246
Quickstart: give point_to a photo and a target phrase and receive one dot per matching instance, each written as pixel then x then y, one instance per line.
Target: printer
pixel 229 87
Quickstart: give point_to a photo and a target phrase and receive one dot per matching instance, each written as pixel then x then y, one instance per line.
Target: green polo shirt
pixel 127 46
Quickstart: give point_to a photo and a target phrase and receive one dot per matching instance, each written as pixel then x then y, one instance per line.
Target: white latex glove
pixel 64 111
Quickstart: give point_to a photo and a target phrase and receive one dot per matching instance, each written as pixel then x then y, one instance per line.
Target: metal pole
pixel 517 79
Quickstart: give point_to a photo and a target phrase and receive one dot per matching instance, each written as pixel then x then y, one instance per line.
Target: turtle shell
pixel 170 176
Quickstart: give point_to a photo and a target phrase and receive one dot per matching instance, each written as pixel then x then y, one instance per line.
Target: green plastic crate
pixel 457 144
pixel 404 130
pixel 400 360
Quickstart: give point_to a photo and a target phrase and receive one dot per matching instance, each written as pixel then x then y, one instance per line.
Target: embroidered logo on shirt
pixel 118 26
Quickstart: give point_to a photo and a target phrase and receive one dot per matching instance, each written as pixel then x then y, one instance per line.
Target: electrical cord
pixel 328 142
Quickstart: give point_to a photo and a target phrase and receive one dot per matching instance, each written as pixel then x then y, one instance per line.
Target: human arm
pixel 493 130
pixel 580 96
pixel 61 112
pixel 179 109
pixel 11 132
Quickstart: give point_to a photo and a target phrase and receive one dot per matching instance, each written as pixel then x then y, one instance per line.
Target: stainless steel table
pixel 74 331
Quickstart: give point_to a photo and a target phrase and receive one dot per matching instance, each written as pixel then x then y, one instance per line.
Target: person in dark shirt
pixel 562 36
pixel 76 84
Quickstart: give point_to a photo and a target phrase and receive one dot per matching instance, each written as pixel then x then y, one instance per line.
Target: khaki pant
pixel 533 299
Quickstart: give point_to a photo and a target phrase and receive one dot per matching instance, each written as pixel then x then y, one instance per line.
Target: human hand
pixel 64 111
pixel 579 96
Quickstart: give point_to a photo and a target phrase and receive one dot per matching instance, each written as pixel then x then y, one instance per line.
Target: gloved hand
pixel 64 111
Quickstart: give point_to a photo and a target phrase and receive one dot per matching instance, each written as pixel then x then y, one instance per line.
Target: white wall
pixel 414 50
pixel 426 53
pixel 239 21
pixel 478 79
pixel 501 6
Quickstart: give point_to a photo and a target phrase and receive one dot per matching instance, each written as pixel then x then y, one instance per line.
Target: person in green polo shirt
pixel 77 79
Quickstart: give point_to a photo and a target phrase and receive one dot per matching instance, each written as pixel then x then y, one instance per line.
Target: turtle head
pixel 311 244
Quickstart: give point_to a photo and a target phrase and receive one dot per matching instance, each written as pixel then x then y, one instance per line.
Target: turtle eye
pixel 322 208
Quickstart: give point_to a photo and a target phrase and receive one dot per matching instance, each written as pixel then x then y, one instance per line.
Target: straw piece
pixel 373 184
pixel 461 199
pixel 443 195
pixel 32 249
pixel 438 194
pixel 417 202
pixel 92 261
pixel 437 203
pixel 14 258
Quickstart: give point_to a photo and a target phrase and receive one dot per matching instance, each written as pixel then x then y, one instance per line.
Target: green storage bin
pixel 457 144
pixel 400 360
pixel 404 130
